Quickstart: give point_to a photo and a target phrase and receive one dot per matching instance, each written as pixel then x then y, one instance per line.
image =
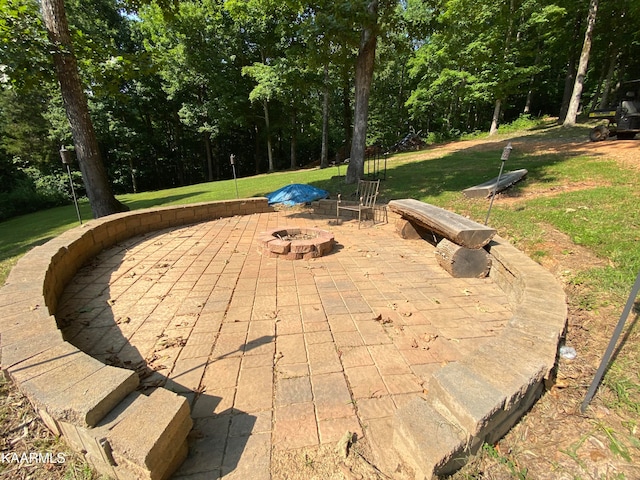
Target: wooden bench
pixel 459 240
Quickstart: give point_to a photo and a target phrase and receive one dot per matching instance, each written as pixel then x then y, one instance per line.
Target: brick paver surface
pixel 274 353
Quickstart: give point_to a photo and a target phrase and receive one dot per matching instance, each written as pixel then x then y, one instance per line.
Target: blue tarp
pixel 296 193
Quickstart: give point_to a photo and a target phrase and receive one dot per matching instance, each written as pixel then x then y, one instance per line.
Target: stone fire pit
pixel 295 243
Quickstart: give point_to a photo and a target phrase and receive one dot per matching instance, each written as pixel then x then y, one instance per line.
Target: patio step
pixel 427 441
pixel 466 405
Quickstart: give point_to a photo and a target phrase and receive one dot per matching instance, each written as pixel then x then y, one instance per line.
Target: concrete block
pixel 502 424
pixel 100 466
pixel 148 437
pixel 150 219
pixel 546 334
pixel 23 325
pixel 378 433
pixel 534 350
pixel 37 361
pixel 470 400
pixel 94 443
pixel 127 470
pixel 71 436
pixel 23 301
pixel 547 304
pixel 186 214
pixel 118 231
pixel 426 441
pixel 100 234
pixel 505 369
pixel 54 374
pixel 87 402
pixel 132 224
pixel 18 351
pixel 50 422
pixel 94 439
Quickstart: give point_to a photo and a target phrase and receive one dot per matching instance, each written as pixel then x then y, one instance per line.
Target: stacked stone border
pixel 480 398
pixel 97 408
pixel 126 434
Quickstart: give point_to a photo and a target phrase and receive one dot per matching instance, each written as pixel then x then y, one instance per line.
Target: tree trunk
pixel 572 111
pixel 132 171
pixel 495 120
pixel 256 153
pixel 401 101
pixel 527 105
pixel 294 139
pixel 570 77
pixel 462 262
pixel 324 154
pixel 606 88
pixel 90 161
pixel 206 137
pixel 346 109
pixel 267 124
pixel 364 76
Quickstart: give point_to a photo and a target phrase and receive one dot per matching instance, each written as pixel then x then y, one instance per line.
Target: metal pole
pixel 504 158
pixel 612 343
pixel 65 155
pixel 233 167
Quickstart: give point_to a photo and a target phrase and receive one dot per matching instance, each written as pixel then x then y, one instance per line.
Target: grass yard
pixel 576 214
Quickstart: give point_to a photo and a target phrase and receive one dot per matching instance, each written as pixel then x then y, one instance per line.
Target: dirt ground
pixel 553 441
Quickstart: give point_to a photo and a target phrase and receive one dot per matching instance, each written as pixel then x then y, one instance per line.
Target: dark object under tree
pixel 94 173
pixel 622 119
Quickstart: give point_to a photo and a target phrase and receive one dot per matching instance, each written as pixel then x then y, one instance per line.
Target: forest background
pixel 176 87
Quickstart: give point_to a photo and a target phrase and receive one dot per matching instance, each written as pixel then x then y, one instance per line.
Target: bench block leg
pixel 463 262
pixel 407 230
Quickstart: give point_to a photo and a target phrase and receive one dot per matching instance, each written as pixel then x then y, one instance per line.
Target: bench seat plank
pixel 461 230
pixel 492 186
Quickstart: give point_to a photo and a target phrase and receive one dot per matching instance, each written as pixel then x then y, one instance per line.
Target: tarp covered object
pixel 296 193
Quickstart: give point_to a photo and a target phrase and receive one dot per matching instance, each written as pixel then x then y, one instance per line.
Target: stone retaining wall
pixel 96 407
pixel 480 398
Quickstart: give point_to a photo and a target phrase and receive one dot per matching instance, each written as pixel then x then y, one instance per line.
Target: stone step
pixel 428 442
pixel 151 442
pixel 71 386
pixel 463 396
pixel 468 403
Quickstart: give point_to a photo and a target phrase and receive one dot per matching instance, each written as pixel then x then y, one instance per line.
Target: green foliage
pixel 31 191
pixel 514 470
pixel 175 87
pixel 23 45
pixel 478 53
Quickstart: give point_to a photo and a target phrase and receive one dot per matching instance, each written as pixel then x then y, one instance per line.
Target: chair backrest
pixel 630 106
pixel 368 192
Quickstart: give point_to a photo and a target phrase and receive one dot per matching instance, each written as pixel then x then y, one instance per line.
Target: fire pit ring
pixel 293 243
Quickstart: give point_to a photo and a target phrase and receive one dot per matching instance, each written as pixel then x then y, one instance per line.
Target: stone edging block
pixel 481 397
pixel 124 434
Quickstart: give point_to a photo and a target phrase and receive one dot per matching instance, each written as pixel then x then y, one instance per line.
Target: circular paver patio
pixel 276 354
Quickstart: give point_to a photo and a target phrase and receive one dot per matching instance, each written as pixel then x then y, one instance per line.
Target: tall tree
pixel 94 173
pixel 572 111
pixel 364 76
